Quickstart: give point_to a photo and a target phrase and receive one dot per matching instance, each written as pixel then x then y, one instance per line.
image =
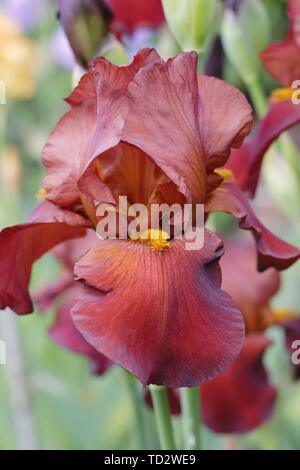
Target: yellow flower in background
pixel 17 60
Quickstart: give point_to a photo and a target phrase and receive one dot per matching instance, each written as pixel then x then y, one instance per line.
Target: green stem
pixel 137 405
pixel 190 417
pixel 201 62
pixel 258 97
pixel 163 417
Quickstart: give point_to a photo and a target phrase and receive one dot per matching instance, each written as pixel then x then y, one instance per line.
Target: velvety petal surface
pixel 225 118
pixel 64 152
pixel 20 247
pixel 160 315
pixel 272 251
pixel 163 122
pixel 242 398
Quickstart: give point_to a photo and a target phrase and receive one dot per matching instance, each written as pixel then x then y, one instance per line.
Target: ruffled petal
pixel 64 153
pixel 245 163
pixel 163 122
pixel 272 251
pixel 66 335
pixel 225 118
pixel 118 76
pixel 83 133
pixel 160 315
pixel 20 247
pixel 242 398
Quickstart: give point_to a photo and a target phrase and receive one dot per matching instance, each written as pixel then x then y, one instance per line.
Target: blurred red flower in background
pixel 129 15
pixel 282 59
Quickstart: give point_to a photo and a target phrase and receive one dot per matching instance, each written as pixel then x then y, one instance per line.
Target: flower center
pixel 157 239
pixel 226 174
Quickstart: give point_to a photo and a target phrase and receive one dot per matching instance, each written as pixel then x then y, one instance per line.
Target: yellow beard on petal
pixel 226 174
pixel 157 239
pixel 41 194
pixel 282 94
pixel 282 314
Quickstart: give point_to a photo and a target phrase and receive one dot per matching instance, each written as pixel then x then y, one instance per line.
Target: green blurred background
pixel 50 389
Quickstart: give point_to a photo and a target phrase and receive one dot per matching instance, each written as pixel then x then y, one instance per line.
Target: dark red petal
pixel 160 315
pixel 170 113
pixel 20 247
pixel 282 59
pixel 238 265
pixel 246 162
pixel 66 335
pixel 242 398
pixel 131 14
pixel 272 251
pixel 291 327
pixel 118 76
pixel 225 118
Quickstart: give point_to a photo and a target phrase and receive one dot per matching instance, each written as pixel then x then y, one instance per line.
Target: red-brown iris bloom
pixel 152 130
pixel 282 59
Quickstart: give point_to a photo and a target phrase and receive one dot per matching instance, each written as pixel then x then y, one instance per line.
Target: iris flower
pixel 152 131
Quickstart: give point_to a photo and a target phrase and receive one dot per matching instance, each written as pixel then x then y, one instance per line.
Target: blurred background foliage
pixel 70 408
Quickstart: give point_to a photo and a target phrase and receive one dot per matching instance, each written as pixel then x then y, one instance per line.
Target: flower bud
pixel 191 21
pixel 86 24
pixel 237 49
pixel 244 36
